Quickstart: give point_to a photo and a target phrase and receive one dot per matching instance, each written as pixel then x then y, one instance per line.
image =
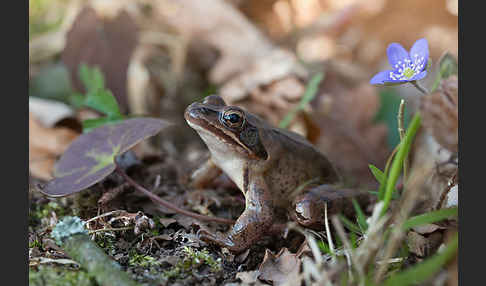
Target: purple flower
pixel 406 67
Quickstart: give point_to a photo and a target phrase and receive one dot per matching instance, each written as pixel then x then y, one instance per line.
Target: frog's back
pixel 301 150
pixel 298 162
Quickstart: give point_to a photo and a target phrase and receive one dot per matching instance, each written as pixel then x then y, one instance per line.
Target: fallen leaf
pixel 423 246
pixel 281 268
pixel 248 277
pixel 349 136
pixel 104 42
pixel 440 114
pixel 167 221
pixel 45 145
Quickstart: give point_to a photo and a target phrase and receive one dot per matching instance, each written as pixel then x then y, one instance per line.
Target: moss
pixel 85 203
pixel 193 259
pixel 141 260
pixel 35 243
pixel 107 243
pixel 57 276
pixel 42 211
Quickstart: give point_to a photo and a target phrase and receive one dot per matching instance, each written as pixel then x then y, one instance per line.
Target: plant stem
pixel 397 165
pixel 169 205
pixel 420 88
pixel 401 131
pixel 381 190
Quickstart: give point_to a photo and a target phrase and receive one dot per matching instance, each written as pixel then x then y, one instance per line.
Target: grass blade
pixel 361 217
pixel 426 269
pixel 379 175
pixel 397 164
pixel 430 217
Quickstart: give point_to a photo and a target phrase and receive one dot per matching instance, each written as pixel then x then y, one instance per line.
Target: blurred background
pixel 157 57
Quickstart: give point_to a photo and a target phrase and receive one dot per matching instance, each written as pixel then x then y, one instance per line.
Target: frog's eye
pixel 233 118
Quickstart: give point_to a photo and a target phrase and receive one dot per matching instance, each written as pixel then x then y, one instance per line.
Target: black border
pixel 14 159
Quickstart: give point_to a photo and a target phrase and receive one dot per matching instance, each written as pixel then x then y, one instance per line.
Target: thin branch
pixel 169 205
pixel 110 229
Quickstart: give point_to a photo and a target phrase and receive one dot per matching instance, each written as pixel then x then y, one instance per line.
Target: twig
pixel 104 215
pixel 112 194
pixel 110 229
pixel 169 205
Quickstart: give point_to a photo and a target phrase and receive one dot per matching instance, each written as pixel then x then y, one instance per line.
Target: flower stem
pixel 419 87
pixel 397 164
pixel 401 131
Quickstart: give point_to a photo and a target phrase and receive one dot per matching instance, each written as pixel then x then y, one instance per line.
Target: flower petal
pixel 419 76
pixel 420 49
pixel 381 78
pixel 396 53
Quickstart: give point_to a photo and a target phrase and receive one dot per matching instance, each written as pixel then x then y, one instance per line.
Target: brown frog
pixel 274 168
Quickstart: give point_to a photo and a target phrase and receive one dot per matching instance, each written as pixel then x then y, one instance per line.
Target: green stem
pixel 401 131
pixel 397 165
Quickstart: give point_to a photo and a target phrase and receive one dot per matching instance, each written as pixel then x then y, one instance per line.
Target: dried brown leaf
pixel 45 145
pixel 248 277
pixel 440 114
pixel 103 42
pixel 281 268
pixel 349 136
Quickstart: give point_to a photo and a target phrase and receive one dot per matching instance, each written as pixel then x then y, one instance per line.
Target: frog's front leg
pixel 204 175
pixel 252 224
pixel 309 207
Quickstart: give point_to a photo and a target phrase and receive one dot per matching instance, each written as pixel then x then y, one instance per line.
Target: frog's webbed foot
pixel 208 237
pixel 310 205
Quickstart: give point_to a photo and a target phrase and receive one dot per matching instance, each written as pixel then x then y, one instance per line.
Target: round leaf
pixel 91 157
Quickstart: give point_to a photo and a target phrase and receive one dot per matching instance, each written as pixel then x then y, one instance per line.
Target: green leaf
pixel 76 99
pixel 379 175
pixel 310 93
pixel 92 78
pixel 430 217
pixel 361 217
pixel 424 270
pixel 349 224
pixel 91 157
pixel 324 247
pixel 397 164
pixel 102 101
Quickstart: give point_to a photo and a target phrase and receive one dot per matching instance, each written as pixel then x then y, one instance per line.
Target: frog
pixel 278 172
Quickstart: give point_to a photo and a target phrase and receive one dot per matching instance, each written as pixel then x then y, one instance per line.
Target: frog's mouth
pixel 202 120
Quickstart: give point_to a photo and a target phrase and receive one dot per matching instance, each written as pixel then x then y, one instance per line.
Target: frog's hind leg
pixel 308 208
